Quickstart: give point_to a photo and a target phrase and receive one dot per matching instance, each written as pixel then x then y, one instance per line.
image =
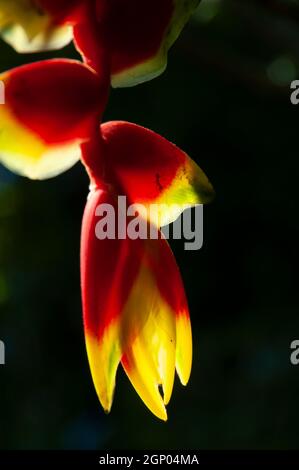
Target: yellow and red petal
pixel 153 172
pixel 50 109
pixel 137 34
pixel 152 355
pixel 163 263
pixel 183 346
pixel 149 358
pixel 30 26
pixel 108 272
pixel 133 299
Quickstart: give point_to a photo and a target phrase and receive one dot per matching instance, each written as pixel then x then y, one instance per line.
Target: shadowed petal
pixel 136 34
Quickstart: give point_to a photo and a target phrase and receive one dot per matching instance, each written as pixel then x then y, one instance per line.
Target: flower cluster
pixel 134 305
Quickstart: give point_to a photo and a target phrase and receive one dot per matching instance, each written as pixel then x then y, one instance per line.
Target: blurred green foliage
pixel 225 98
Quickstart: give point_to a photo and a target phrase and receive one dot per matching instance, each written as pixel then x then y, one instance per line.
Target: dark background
pixel 225 99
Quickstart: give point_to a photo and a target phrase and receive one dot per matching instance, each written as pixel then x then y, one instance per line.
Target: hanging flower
pixel 134 305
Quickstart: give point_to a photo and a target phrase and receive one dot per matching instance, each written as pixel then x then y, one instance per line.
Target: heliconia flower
pixel 50 109
pixel 31 26
pixel 134 305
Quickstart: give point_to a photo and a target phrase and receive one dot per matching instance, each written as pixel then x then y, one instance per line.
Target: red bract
pixel 137 36
pixel 151 170
pixel 71 94
pixel 51 108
